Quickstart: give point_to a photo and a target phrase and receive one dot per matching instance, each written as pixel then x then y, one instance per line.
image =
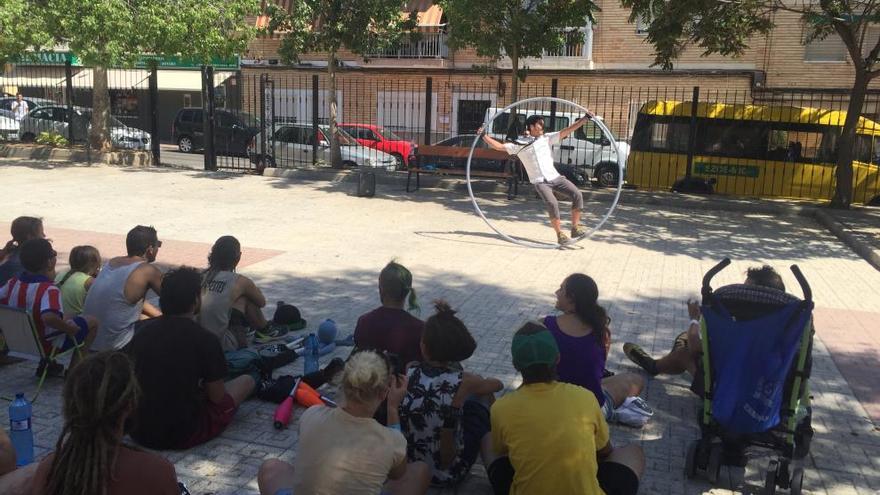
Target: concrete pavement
pixel 321 248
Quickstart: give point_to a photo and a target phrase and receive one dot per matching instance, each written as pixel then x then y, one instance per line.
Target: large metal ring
pixel 538 244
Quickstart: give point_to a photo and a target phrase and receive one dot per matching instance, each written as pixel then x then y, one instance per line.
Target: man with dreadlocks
pixel 90 458
pixel 231 302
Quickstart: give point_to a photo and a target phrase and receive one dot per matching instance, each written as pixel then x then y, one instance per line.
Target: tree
pixel 115 33
pixel 362 26
pixel 727 26
pixel 516 28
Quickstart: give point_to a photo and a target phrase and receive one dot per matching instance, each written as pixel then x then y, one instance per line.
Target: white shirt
pixel 537 158
pixel 19 109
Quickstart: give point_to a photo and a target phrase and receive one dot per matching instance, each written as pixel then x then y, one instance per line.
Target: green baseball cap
pixel 536 348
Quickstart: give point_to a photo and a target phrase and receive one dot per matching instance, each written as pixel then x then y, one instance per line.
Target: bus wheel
pixel 607 174
pixel 875 201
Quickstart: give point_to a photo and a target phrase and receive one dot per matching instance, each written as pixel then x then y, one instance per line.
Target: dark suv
pixel 233 130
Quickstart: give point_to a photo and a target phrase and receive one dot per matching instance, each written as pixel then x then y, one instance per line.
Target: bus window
pixel 795 145
pixel 867 149
pixel 731 138
pixel 653 133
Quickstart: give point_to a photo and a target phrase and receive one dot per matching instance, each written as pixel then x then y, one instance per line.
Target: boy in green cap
pixel 551 435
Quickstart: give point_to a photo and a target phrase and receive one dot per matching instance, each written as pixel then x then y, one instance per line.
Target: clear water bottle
pixel 310 362
pixel 20 430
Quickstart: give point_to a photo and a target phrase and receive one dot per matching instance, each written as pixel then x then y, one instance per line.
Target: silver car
pixel 8 126
pixel 293 144
pixel 54 119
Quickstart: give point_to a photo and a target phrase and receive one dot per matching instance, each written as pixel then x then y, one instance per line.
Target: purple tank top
pixel 581 359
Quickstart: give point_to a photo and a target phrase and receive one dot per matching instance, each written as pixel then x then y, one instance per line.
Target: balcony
pixel 574 46
pixel 430 45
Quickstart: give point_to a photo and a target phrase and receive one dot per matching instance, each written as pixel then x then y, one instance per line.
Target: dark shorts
pixel 70 343
pixel 213 420
pixel 474 424
pixel 616 479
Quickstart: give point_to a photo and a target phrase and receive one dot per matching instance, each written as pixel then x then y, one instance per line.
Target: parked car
pixel 33 103
pixel 8 126
pixel 233 130
pixel 586 153
pixel 453 153
pixel 54 118
pixel 293 144
pixel 377 137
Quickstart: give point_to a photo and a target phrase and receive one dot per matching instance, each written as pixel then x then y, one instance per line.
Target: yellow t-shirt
pixel 551 432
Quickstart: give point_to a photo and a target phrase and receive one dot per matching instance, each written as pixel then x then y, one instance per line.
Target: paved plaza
pixel 314 244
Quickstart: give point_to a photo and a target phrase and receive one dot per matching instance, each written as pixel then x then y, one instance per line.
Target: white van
pixel 585 154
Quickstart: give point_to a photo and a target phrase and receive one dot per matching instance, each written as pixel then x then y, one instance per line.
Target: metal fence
pixel 747 142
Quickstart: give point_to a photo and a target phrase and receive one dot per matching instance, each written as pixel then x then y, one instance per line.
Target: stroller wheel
pixel 770 479
pixel 713 468
pixel 797 481
pixel 690 465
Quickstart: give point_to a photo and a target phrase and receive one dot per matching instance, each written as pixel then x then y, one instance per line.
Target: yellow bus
pixel 752 150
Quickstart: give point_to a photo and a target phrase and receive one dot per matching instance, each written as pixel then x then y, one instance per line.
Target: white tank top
pixel 106 301
pixel 216 305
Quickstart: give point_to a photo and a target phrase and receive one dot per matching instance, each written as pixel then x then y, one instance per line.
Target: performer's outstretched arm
pixel 573 127
pixel 492 142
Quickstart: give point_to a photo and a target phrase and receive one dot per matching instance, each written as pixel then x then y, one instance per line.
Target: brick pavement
pixel 646 262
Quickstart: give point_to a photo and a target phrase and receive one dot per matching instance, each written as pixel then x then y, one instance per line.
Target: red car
pixel 374 136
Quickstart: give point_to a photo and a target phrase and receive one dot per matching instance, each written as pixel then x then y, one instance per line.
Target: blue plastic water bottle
pixel 20 430
pixel 310 362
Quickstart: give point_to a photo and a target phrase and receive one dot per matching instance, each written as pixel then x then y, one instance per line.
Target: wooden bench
pixel 509 175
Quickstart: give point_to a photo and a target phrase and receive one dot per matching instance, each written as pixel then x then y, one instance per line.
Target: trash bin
pixel 366 183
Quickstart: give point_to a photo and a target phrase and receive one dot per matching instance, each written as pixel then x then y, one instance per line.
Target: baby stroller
pixel 757 344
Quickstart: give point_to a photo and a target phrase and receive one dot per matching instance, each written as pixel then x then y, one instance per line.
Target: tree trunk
pixel 512 124
pixel 846 146
pixel 99 134
pixel 335 154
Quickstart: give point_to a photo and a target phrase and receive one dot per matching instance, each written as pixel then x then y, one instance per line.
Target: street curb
pixel 138 159
pixel 845 235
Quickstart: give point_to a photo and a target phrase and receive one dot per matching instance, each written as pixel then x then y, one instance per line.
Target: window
pixel 499 125
pixel 591 132
pixel 867 149
pixel 797 143
pixel 642 25
pixel 43 113
pixel 731 138
pixel 660 133
pixel 284 135
pixel 829 49
pixel 226 120
pixel 368 134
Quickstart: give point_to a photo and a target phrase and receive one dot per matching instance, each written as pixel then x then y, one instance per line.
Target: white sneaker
pixel 634 412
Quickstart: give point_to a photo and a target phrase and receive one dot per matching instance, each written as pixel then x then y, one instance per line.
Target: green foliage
pixel 20 29
pixel 515 28
pixel 52 139
pixel 361 26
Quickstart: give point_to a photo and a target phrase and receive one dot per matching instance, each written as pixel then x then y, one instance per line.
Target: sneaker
pixel 681 341
pixel 638 355
pixel 270 333
pixel 55 370
pixel 562 238
pixel 634 412
pixel 577 231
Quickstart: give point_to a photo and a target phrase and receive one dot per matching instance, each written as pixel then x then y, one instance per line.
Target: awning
pixel 53 77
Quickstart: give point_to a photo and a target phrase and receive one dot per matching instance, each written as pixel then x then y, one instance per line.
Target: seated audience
pixel 90 456
pixel 85 262
pixel 180 367
pixel 344 450
pixel 445 414
pixel 22 229
pixel 552 436
pixel 34 291
pixel 389 328
pixel 232 303
pixel 687 350
pixel 583 337
pixel 116 297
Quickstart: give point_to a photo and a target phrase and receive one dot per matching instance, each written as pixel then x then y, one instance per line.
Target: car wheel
pixel 185 144
pixel 28 137
pixel 607 175
pixel 399 158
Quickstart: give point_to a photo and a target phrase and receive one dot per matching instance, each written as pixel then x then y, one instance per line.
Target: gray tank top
pixel 106 302
pixel 216 305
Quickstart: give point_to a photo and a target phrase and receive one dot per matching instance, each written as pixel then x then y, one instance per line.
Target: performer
pixel 534 151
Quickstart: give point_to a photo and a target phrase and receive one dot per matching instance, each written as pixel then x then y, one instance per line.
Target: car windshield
pixel 390 136
pixel 345 138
